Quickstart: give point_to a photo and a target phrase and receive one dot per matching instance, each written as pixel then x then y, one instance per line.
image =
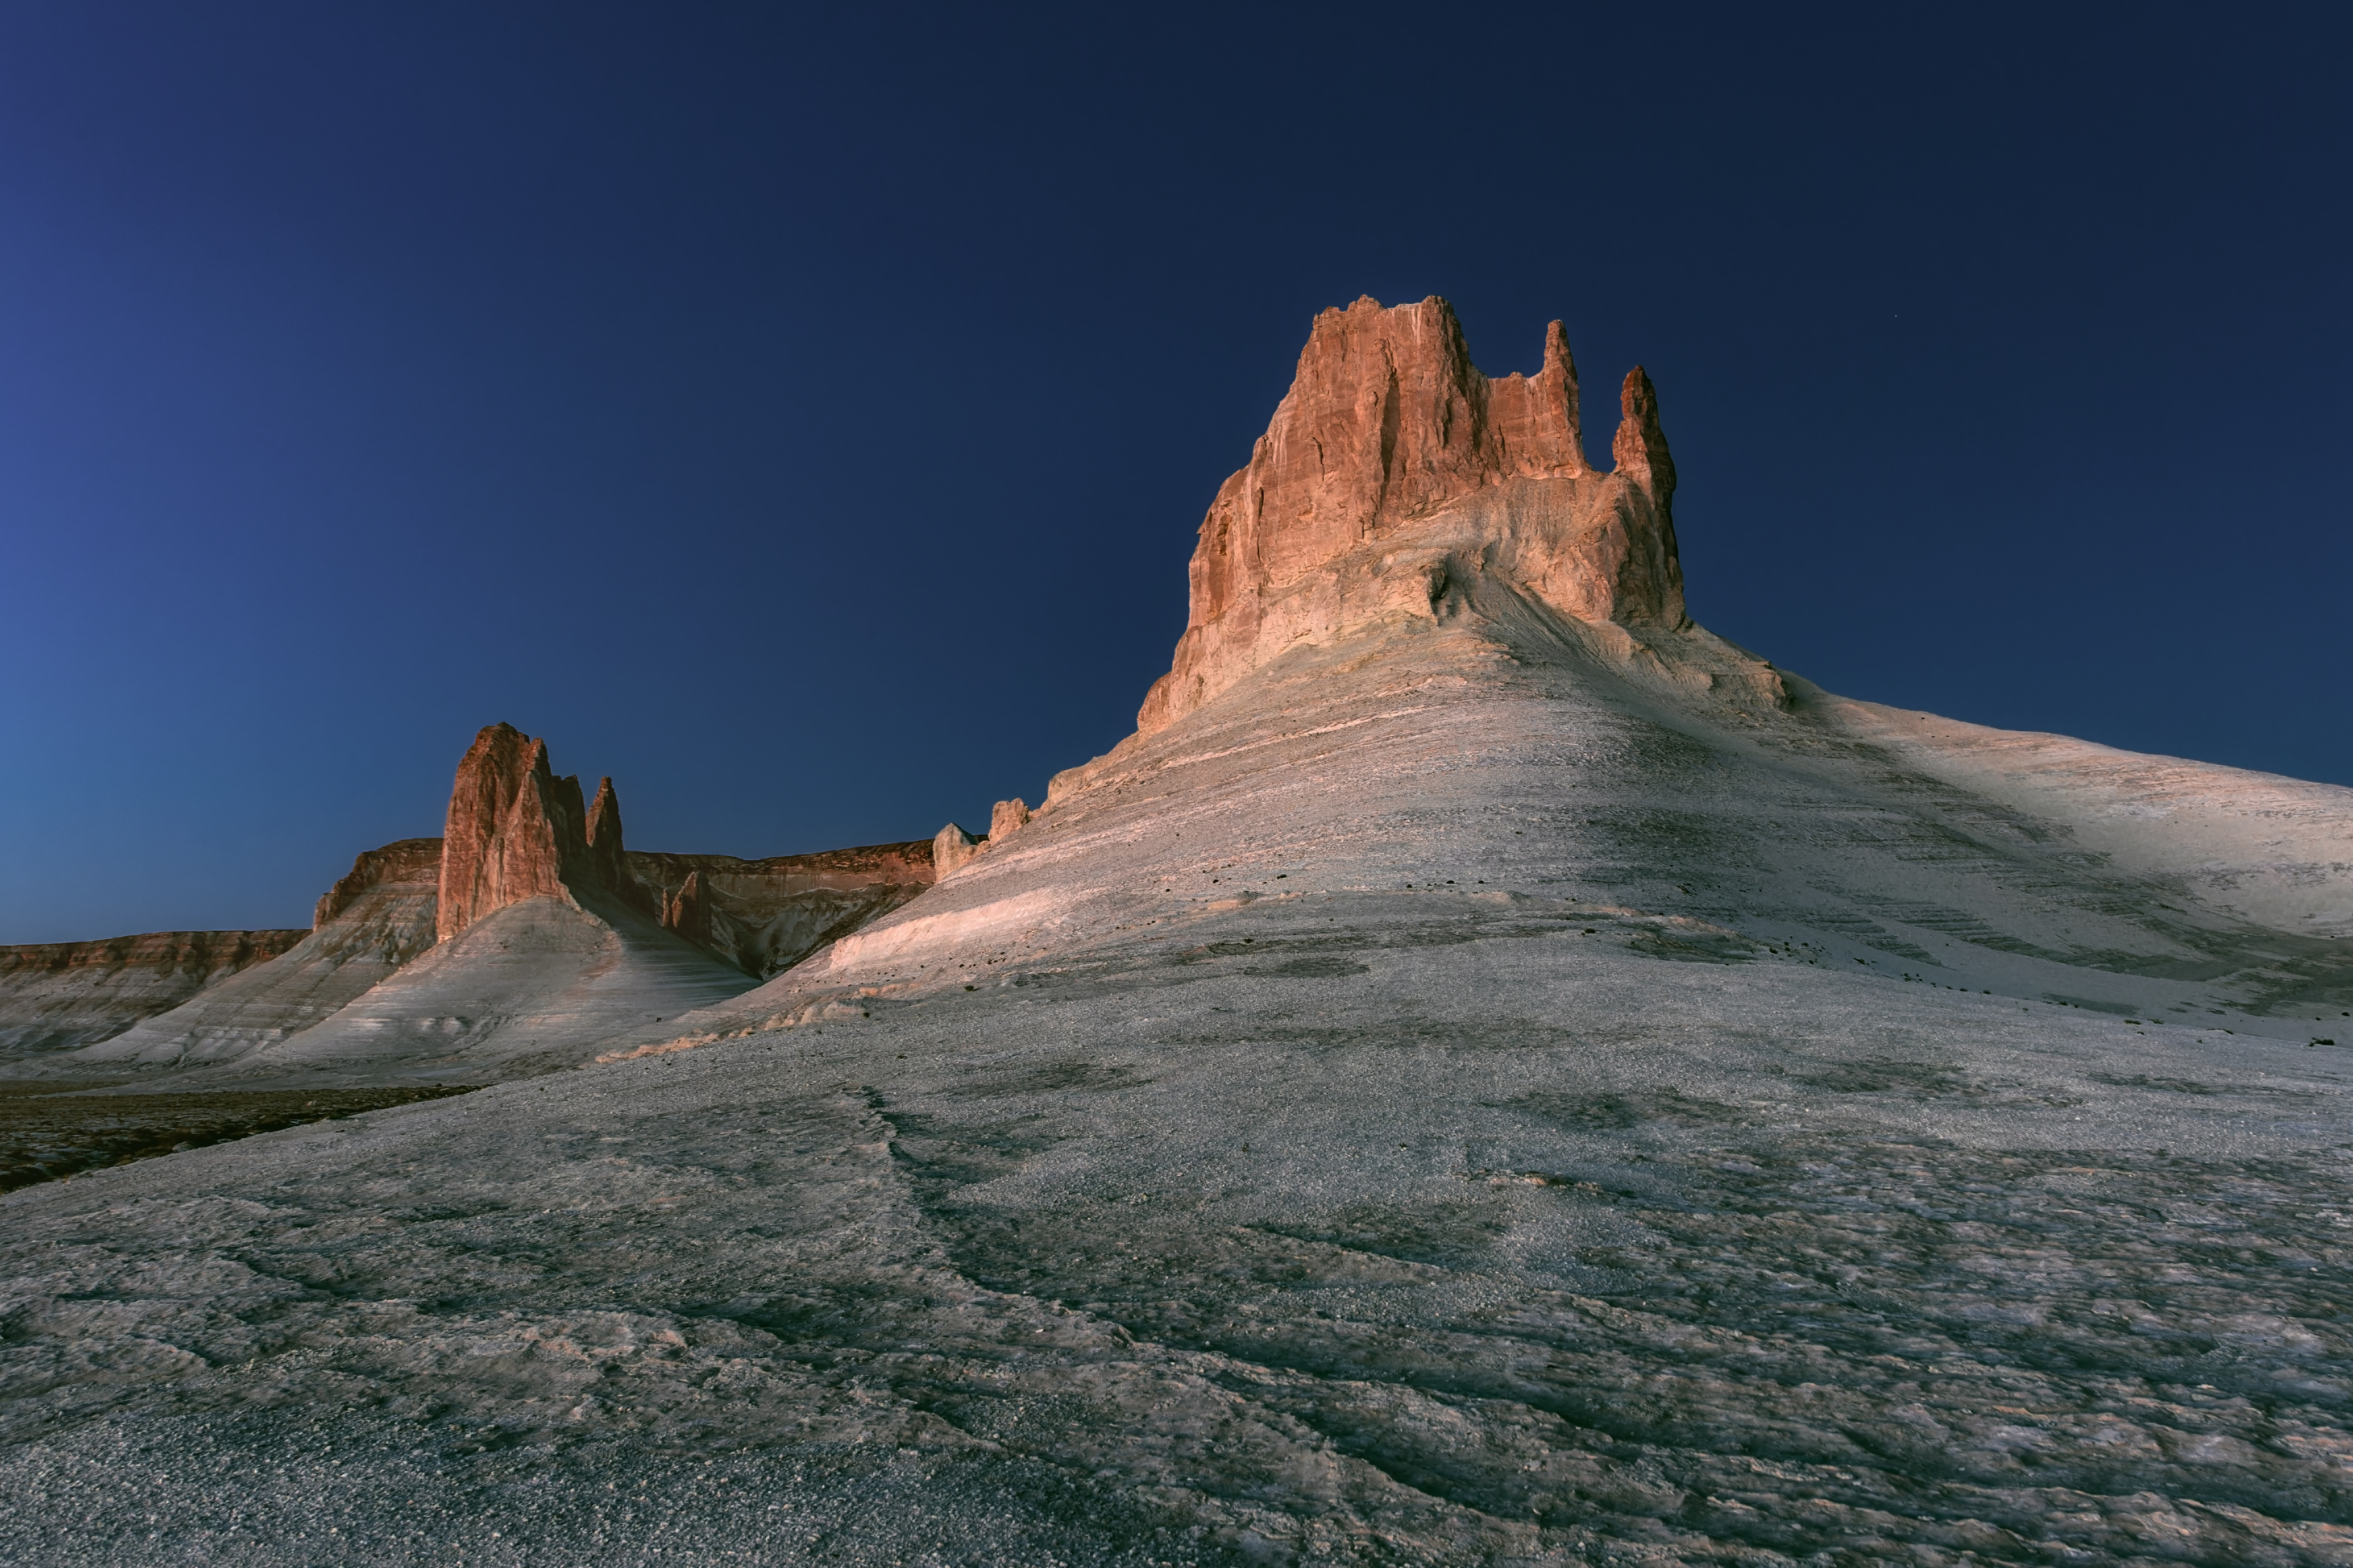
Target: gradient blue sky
pixel 805 417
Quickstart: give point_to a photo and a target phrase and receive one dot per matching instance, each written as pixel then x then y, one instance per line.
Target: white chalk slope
pixel 1485 1089
pixel 370 998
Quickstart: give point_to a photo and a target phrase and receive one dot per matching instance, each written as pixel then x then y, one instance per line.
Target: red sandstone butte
pixel 1387 422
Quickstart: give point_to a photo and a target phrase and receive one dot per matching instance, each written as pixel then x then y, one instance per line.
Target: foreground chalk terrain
pixel 1467 1083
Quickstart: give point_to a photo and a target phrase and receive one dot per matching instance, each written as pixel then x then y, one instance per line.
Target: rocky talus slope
pixel 1490 1073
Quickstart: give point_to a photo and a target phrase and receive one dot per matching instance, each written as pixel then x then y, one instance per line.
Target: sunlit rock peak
pixel 1389 426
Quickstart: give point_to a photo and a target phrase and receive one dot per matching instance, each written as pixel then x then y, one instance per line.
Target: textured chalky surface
pixel 1490 1073
pixel 1305 1249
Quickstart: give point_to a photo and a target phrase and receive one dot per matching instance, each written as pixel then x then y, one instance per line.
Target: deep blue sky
pixel 804 416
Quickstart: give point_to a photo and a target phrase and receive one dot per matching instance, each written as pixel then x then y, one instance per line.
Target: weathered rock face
pixel 1387 419
pixel 685 910
pixel 954 848
pixel 1387 424
pixel 516 831
pixel 60 994
pixel 1640 447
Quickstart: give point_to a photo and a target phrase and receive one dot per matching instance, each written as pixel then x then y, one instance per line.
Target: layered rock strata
pixel 1387 423
pixel 408 863
pixel 60 994
pixel 371 924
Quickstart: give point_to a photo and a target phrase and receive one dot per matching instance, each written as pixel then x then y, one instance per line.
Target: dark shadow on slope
pixel 48 1133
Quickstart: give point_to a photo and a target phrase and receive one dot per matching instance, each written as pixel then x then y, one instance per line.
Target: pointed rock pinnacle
pixel 1640 446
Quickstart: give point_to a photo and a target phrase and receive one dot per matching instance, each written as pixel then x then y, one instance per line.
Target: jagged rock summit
pixel 1388 425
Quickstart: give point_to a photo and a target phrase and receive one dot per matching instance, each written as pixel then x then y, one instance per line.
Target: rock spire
pixel 1387 418
pixel 1640 447
pixel 516 831
pixel 605 858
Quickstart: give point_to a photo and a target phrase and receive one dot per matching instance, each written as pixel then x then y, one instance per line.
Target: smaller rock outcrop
pixel 1640 447
pixel 1008 816
pixel 686 911
pixel 953 848
pixel 608 862
pixel 517 831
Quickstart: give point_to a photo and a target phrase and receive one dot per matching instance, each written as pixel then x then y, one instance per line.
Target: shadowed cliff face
pixel 1386 423
pixel 765 916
